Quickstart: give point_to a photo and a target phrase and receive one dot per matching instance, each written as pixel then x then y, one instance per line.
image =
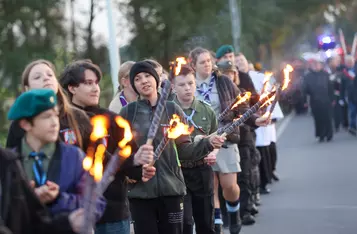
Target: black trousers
pixel 264 166
pixel 198 203
pixel 273 156
pixel 338 115
pixel 255 172
pixel 161 215
pixel 323 120
pixel 244 180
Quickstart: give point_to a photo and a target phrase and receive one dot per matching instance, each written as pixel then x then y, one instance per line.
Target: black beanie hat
pixel 143 66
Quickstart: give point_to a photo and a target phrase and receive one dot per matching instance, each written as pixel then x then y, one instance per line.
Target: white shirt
pixel 265 135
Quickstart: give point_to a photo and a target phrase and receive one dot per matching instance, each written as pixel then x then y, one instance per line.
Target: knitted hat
pixel 146 67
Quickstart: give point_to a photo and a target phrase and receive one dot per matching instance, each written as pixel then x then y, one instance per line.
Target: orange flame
pixel 269 101
pixel 128 136
pixel 100 125
pixel 287 70
pixel 242 98
pixel 177 128
pixel 180 61
pixel 267 76
pixel 93 162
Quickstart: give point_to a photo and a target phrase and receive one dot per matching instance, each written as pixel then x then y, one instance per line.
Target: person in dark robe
pixel 318 86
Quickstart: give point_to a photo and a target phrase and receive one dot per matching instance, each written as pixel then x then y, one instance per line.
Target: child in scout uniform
pixel 157 205
pixel 75 127
pixel 54 168
pixel 220 91
pixel 198 175
pixel 80 80
pixel 21 210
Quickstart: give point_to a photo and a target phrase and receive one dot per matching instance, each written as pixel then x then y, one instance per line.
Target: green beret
pixel 224 49
pixel 32 103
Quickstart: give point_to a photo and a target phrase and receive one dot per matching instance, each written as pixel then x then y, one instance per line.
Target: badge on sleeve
pixel 69 136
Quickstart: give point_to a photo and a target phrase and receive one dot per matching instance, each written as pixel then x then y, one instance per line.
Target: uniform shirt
pixel 48 150
pixel 213 96
pixel 203 117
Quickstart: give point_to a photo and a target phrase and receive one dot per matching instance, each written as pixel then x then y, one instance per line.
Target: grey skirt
pixel 228 159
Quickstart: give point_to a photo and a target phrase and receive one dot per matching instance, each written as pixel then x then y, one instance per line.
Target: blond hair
pixel 193 56
pixel 124 71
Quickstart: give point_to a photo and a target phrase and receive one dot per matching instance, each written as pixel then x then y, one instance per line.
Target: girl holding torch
pixel 220 91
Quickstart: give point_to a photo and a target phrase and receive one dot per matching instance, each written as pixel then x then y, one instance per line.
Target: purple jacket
pixel 66 170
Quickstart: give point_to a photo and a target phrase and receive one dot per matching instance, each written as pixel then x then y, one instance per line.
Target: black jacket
pixel 319 87
pixel 117 208
pixel 20 209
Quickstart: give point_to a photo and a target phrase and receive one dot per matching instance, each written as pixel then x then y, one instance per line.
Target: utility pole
pixel 113 47
pixel 236 22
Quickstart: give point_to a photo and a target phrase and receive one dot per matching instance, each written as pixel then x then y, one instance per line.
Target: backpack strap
pixel 131 113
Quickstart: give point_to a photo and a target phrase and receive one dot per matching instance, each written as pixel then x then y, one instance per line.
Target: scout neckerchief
pixel 190 120
pixel 37 167
pixel 206 92
pixel 122 99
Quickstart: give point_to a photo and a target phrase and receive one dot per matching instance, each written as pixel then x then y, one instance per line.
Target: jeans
pixel 352 114
pixel 121 227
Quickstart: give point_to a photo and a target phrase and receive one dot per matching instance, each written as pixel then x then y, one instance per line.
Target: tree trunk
pixel 73 29
pixel 89 40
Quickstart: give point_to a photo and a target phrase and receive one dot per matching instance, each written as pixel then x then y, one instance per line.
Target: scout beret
pixel 226 66
pixel 143 66
pixel 32 103
pixel 224 49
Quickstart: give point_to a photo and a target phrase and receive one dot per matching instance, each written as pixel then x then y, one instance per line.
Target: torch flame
pixel 128 136
pixel 269 101
pixel 180 61
pixel 100 125
pixel 287 70
pixel 87 163
pixel 98 163
pixel 241 99
pixel 177 128
pixel 267 76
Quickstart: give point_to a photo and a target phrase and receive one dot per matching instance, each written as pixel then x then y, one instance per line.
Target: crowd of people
pixel 202 180
pixel 329 87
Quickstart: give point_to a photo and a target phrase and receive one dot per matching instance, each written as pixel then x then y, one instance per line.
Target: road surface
pixel 317 193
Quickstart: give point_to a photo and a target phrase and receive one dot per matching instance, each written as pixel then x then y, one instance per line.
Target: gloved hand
pixel 341 102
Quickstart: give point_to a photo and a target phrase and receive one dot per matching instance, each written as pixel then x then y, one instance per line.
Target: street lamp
pixel 114 56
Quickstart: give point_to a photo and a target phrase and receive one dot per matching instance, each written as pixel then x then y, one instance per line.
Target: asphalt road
pixel 317 193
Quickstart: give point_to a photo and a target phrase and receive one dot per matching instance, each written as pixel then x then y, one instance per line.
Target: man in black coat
pixel 318 86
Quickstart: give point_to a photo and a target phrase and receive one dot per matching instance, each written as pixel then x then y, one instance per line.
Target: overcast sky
pixel 100 24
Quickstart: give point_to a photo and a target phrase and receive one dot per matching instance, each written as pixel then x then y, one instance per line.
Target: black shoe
pixel 328 139
pixel 321 139
pixel 254 210
pixel 248 219
pixel 225 220
pixel 264 191
pixel 275 177
pixel 352 131
pixel 218 228
pixel 235 223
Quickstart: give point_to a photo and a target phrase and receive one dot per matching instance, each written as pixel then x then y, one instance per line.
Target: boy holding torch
pixel 157 205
